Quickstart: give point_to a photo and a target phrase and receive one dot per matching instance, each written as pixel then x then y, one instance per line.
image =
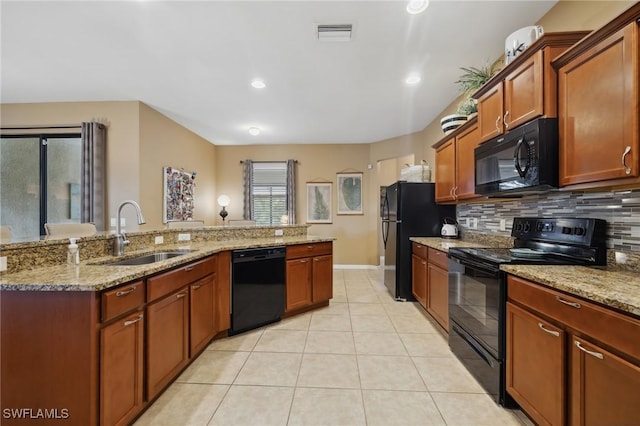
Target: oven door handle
pixel 475 346
pixel 477 265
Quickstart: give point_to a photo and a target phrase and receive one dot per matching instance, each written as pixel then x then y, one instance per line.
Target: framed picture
pixel 178 200
pixel 318 202
pixel 350 193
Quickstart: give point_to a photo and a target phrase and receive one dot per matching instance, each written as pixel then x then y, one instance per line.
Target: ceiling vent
pixel 334 32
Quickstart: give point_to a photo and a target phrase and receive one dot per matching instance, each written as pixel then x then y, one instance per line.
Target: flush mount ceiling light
pixel 417 6
pixel 254 131
pixel 334 32
pixel 258 84
pixel 413 79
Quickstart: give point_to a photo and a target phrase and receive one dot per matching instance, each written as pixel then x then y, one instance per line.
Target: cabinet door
pixel 167 340
pixel 490 113
pixel 322 277
pixel 298 283
pixel 445 171
pixel 523 92
pixel 605 389
pixel 598 111
pixel 121 370
pixel 202 321
pixel 223 292
pixel 419 279
pixel 438 295
pixel 536 366
pixel 466 142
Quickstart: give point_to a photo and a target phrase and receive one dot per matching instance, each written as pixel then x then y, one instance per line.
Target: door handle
pixel 592 353
pixel 546 330
pixel 627 169
pixel 497 122
pixel 504 120
pixel 572 304
pixel 130 322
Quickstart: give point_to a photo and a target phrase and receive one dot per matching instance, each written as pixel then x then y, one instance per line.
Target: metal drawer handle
pixel 424 263
pixel 546 330
pixel 128 323
pixel 309 247
pixel 627 169
pixel 125 292
pixel 504 120
pixel 180 295
pixel 196 286
pixel 304 260
pixel 572 304
pixel 189 268
pixel 497 121
pixel 592 353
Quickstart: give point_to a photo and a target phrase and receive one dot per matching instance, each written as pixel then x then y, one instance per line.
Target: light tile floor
pixel 363 360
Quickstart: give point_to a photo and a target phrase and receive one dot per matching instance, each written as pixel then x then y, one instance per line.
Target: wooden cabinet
pixel 121 369
pixel 455 179
pixel 570 361
pixel 167 340
pixel 419 273
pixel 438 287
pixel 535 366
pixel 430 282
pixel 222 308
pixel 309 275
pixel 524 89
pixel 202 318
pixel 598 98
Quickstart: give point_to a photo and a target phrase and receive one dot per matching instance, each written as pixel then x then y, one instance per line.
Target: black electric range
pixel 478 288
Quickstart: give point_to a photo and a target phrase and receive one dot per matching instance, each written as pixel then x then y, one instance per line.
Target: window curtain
pixel 247 178
pixel 94 142
pixel 291 190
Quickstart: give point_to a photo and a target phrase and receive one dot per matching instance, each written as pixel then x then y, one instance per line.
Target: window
pixel 268 192
pixel 40 177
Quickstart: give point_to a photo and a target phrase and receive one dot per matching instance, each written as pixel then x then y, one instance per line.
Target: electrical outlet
pixel 184 237
pixel 159 239
pixel 474 223
pixel 3 263
pixel 278 232
pixel 503 224
pixel 123 222
pixel 113 222
pixel 468 222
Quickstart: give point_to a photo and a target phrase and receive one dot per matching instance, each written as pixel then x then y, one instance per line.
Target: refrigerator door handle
pixel 385 232
pixel 385 209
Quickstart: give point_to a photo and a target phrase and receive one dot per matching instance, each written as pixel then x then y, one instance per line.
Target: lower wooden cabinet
pixel 535 366
pixel 202 319
pixel 309 275
pixel 419 279
pixel 438 294
pixel 430 282
pixel 167 340
pixel 604 388
pixel 121 370
pixel 570 361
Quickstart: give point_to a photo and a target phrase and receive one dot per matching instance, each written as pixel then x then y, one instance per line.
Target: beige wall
pixel 163 142
pixel 570 15
pixel 355 234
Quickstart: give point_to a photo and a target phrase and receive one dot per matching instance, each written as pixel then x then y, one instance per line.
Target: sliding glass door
pixel 40 180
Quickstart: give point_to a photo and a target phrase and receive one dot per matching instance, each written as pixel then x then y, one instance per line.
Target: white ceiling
pixel 194 61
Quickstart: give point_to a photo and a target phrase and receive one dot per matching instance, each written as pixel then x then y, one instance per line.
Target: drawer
pixel 605 325
pixel 309 250
pixel 165 283
pixel 439 258
pixel 122 299
pixel 419 250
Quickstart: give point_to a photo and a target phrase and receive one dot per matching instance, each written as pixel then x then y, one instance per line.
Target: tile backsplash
pixel 621 210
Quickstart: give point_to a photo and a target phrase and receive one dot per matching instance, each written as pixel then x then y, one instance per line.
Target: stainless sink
pixel 148 258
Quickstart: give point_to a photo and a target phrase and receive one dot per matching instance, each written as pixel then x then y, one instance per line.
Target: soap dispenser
pixel 73 253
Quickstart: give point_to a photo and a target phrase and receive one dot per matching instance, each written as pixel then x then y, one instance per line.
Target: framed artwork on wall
pixel 319 202
pixel 178 199
pixel 350 193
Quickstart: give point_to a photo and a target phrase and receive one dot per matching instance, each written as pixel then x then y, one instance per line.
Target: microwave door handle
pixel 516 159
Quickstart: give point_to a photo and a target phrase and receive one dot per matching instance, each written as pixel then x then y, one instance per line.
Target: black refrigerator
pixel 408 210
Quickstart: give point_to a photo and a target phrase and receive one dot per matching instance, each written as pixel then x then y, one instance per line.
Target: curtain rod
pixel 242 161
pixel 62 126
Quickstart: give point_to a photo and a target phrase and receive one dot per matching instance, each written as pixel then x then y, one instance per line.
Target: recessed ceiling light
pixel 254 131
pixel 258 84
pixel 413 79
pixel 417 6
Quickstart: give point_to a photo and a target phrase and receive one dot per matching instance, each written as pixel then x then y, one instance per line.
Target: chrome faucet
pixel 120 241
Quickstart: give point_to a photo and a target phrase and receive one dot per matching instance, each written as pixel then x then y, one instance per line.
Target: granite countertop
pixel 611 287
pixel 94 275
pixel 444 244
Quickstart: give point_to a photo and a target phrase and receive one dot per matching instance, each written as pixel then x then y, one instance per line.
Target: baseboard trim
pixel 371 267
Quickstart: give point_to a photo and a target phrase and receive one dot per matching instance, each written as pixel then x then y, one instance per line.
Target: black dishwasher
pixel 257 287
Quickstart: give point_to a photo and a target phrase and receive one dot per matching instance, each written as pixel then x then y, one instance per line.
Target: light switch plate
pixel 278 232
pixel 184 237
pixel 113 222
pixel 503 224
pixel 3 263
pixel 159 239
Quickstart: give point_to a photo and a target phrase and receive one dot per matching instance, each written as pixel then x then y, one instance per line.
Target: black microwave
pixel 523 161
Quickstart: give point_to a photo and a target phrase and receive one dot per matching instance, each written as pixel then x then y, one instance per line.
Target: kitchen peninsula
pixel 97 343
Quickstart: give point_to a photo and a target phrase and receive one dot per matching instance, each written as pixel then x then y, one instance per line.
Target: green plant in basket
pixel 471 80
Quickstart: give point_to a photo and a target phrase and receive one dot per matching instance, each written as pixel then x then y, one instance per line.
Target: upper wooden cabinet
pixel 455 178
pixel 598 102
pixel 525 89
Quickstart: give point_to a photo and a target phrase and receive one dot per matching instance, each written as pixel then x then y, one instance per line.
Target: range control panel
pixel 579 231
